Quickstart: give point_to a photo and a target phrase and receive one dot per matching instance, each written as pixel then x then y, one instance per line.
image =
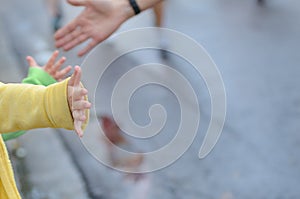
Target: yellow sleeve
pixel 25 106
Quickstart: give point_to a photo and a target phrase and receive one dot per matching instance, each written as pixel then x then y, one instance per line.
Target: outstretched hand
pixel 97 22
pixel 77 100
pixel 52 68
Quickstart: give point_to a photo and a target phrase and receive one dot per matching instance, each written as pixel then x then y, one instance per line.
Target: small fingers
pixel 78 94
pixel 78 129
pixel 51 61
pixel 78 115
pixel 31 62
pixel 60 75
pixel 75 79
pixel 53 70
pixel 81 105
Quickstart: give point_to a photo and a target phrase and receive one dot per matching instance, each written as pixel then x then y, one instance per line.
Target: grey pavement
pixel 9 66
pixel 256 48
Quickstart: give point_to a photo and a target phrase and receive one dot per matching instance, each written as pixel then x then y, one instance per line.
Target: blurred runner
pixel 158 10
pixel 56 14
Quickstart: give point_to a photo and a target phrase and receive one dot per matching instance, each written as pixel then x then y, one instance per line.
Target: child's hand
pixel 52 67
pixel 77 101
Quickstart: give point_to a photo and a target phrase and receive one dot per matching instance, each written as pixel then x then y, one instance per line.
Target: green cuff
pixel 13 135
pixel 38 76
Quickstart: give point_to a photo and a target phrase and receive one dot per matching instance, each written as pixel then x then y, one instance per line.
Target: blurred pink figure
pixel 137 184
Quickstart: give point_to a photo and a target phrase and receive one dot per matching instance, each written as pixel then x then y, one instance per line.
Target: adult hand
pixel 52 68
pixel 98 21
pixel 77 100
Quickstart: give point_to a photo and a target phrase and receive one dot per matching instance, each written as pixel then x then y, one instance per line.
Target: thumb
pixel 75 78
pixel 31 62
pixel 77 2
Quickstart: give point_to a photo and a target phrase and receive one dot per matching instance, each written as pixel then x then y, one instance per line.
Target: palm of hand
pixel 97 22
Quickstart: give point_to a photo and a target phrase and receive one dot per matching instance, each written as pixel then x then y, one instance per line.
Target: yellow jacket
pixel 23 107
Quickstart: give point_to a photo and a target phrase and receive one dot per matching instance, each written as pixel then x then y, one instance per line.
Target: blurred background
pixel 256 47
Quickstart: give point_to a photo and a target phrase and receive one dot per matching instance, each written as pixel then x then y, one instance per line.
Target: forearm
pixel 36 76
pixel 128 11
pixel 24 107
pixel 146 4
